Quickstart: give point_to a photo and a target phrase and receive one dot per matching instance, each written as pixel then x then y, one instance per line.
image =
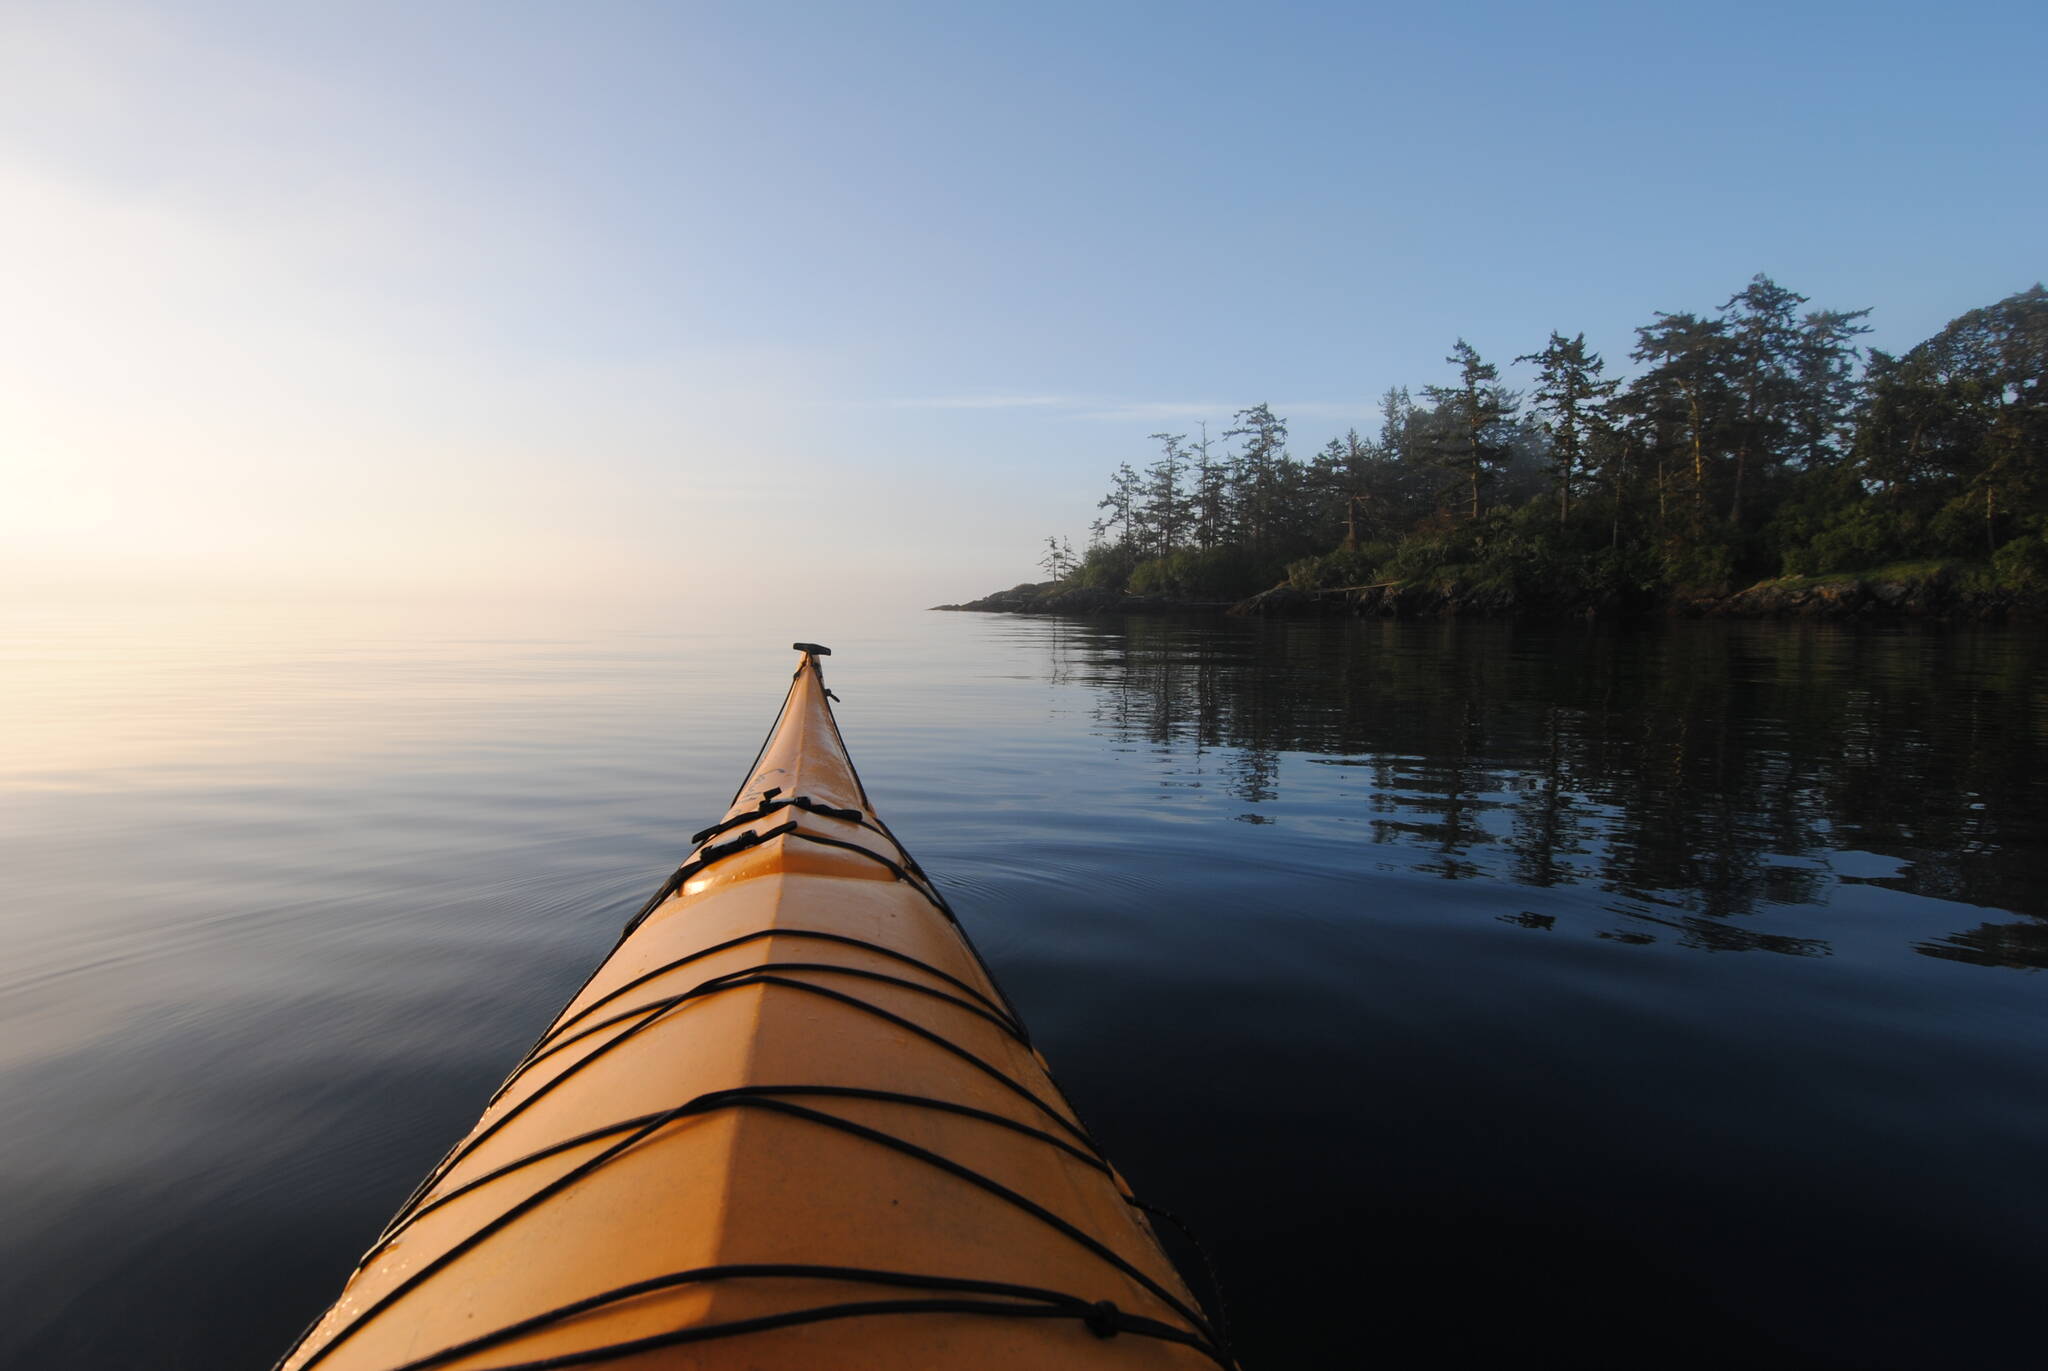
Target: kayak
pixel 791 1121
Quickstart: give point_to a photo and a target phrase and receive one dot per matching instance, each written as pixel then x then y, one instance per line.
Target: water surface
pixel 1575 996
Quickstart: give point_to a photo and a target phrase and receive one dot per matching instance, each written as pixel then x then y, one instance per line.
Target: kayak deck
pixel 791 1121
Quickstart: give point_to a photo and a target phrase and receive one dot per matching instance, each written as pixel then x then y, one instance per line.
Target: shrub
pixel 1864 534
pixel 1105 566
pixel 1344 567
pixel 1698 566
pixel 1799 561
pixel 1958 528
pixel 1628 571
pixel 2021 564
pixel 1192 574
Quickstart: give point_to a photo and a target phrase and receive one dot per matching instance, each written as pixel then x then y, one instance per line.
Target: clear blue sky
pixel 479 296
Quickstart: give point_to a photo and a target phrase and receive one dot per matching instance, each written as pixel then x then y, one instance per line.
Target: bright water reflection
pixel 1579 997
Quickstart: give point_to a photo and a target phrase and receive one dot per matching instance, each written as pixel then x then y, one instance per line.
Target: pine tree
pixel 1124 503
pixel 1396 412
pixel 1211 495
pixel 1167 502
pixel 1619 448
pixel 1256 473
pixel 1686 385
pixel 1472 411
pixel 1570 393
pixel 1058 557
pixel 1827 386
pixel 1761 327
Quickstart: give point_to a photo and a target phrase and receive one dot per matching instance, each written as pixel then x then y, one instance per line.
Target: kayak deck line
pixel 790 1109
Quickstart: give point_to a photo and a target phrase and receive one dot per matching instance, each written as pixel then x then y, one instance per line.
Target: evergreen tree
pixel 1058 557
pixel 1297 521
pixel 1125 505
pixel 1685 386
pixel 1256 474
pixel 1962 419
pixel 1168 504
pixel 1572 397
pixel 1621 447
pixel 1406 487
pixel 1210 481
pixel 1471 413
pixel 1763 342
pixel 1355 473
pixel 1828 389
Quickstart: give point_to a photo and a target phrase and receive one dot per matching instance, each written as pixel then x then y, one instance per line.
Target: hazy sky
pixel 673 300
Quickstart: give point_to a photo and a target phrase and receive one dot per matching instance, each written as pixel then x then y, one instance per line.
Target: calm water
pixel 1584 998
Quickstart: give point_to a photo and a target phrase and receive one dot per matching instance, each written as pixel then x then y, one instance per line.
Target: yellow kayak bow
pixel 790 1122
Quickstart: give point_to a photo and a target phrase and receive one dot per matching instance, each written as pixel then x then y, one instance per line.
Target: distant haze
pixel 701 302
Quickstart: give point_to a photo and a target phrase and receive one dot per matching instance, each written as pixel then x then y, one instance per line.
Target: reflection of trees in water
pixel 1552 822
pixel 2020 944
pixel 1699 772
pixel 1253 775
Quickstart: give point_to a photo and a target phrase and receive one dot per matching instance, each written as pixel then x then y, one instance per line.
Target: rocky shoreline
pixel 1941 596
pixel 1055 597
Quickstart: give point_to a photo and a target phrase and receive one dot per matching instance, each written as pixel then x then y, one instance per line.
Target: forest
pixel 1758 441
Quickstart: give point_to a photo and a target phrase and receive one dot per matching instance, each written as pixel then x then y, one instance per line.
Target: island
pixel 1757 462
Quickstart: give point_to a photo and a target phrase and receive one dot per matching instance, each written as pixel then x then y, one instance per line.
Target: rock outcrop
pixel 1937 594
pixel 1057 597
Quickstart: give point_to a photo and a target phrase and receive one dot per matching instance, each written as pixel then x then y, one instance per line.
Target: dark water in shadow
pixel 1577 998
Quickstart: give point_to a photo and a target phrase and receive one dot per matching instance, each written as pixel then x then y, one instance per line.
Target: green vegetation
pixel 1754 443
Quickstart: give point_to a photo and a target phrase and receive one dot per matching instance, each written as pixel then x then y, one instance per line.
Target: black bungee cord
pixel 1102 1317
